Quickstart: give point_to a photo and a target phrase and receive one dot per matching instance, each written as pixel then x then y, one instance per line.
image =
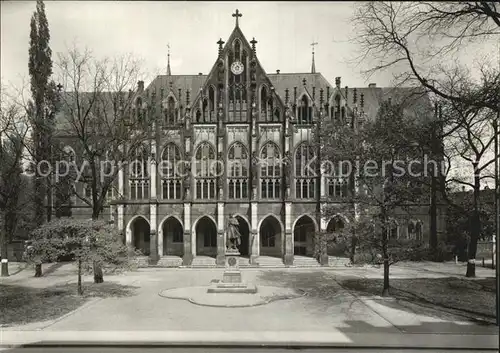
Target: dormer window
pixel 170 112
pixel 304 111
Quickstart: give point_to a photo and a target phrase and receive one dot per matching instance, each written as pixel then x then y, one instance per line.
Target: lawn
pixel 22 305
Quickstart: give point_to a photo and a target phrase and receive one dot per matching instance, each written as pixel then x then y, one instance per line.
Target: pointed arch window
pixel 276 115
pixel 170 112
pixel 264 103
pixel 304 111
pixel 337 182
pixel 211 99
pixel 415 230
pixel 205 172
pixel 139 110
pixel 138 174
pixel 305 172
pixel 198 116
pixel 205 114
pixel 271 171
pixel 335 108
pixel 392 229
pixel 237 171
pixel 170 173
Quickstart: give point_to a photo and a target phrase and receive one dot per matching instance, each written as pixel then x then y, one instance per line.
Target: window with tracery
pixel 170 112
pixel 139 110
pixel 237 171
pixel 335 108
pixel 237 89
pixel 138 174
pixel 305 172
pixel 304 111
pixel 171 180
pixel 271 171
pixel 205 172
pixel 337 181
pixel 265 108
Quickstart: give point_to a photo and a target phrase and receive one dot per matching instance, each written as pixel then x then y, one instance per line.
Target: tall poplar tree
pixel 40 71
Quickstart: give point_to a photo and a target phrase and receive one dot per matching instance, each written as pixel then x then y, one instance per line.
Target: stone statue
pixel 233 233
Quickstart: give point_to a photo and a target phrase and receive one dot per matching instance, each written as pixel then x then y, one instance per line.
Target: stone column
pixel 221 236
pixel 189 247
pixel 254 234
pixel 121 182
pixel 288 257
pixel 160 241
pixel 119 221
pixel 153 238
pixel 128 237
pixel 152 170
pixel 322 183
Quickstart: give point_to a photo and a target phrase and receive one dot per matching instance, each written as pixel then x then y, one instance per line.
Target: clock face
pixel 237 68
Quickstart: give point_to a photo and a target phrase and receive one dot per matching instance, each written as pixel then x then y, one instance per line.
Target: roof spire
pixel 169 73
pixel 313 66
pixel 237 14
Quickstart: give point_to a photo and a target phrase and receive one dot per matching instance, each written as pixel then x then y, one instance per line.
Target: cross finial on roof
pixel 237 14
pixel 253 42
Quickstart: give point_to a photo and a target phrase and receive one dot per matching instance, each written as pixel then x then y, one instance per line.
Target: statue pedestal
pixel 231 279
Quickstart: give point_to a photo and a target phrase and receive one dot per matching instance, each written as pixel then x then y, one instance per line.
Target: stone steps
pixel 203 261
pixel 269 261
pixel 304 261
pixel 169 261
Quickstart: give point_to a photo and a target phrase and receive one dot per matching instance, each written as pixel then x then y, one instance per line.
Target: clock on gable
pixel 237 68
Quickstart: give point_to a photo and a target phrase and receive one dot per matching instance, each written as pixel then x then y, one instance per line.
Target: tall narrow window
pixel 276 115
pixel 206 116
pixel 305 172
pixel 138 174
pixel 205 169
pixel 305 111
pixel 271 172
pixel 263 104
pixel 418 231
pixel 237 171
pixel 212 104
pixel 139 110
pixel 170 173
pixel 337 182
pixel 170 112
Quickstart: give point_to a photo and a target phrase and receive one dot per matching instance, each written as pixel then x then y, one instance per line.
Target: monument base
pixel 231 279
pixel 242 287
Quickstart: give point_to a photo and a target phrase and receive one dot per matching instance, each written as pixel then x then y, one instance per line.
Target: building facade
pixel 237 141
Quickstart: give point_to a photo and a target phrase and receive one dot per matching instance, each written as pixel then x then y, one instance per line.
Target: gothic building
pixel 256 128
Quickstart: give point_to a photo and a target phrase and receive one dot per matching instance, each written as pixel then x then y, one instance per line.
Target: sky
pixel 284 31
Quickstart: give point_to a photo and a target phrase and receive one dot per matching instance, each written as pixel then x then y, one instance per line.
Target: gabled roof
pixel 193 83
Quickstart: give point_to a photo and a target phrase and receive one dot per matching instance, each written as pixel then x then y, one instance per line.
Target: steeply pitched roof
pixel 173 83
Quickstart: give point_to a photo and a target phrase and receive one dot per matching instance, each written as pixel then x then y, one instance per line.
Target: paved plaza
pixel 325 305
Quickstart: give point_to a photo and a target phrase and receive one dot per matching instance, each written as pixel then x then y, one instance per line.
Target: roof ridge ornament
pixel 237 14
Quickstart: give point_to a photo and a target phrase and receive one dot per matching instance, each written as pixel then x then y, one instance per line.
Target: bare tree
pixel 12 136
pixel 376 154
pixel 418 38
pixel 469 145
pixel 98 119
